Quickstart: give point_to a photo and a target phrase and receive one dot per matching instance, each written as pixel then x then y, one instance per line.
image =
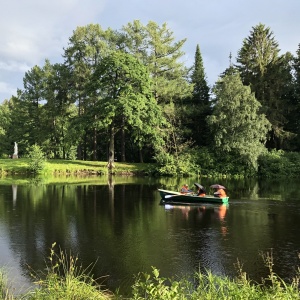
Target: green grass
pixel 64 279
pixel 5 293
pixel 56 166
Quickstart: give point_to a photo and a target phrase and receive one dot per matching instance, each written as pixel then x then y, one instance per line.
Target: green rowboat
pixel 179 198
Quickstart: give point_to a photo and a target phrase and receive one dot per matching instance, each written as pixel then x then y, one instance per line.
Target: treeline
pixel 127 95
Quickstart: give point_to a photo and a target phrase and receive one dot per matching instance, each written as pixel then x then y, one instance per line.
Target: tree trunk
pixel 123 159
pixel 79 152
pixel 79 148
pixel 111 150
pixel 141 156
pixel 85 146
pixel 95 145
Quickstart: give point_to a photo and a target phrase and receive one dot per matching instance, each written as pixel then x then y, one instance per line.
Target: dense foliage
pixel 237 125
pixel 127 96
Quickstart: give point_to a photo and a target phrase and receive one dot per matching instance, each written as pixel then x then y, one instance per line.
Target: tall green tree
pixel 158 49
pixel 59 111
pixel 27 110
pixel 122 87
pixel 294 107
pixel 268 74
pixel 236 122
pixel 88 45
pixel 199 104
pixel 5 124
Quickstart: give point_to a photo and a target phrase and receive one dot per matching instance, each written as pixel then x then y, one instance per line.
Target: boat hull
pixel 171 197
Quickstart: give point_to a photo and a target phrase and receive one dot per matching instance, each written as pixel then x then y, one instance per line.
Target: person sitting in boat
pixel 185 189
pixel 201 192
pixel 220 193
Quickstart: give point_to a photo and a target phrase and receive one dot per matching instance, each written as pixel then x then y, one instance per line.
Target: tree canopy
pixel 127 95
pixel 237 124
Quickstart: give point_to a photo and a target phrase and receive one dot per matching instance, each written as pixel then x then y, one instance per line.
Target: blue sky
pixel 34 30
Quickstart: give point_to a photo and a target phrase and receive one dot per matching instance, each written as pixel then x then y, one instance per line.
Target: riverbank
pixel 65 280
pixel 75 167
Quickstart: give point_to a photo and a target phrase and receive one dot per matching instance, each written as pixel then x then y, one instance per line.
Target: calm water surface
pixel 120 225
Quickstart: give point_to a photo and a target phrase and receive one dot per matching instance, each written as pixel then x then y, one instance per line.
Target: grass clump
pixel 4 290
pixel 66 280
pixel 207 286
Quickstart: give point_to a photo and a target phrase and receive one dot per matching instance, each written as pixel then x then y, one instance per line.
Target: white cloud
pixel 34 30
pixel 6 88
pixel 14 66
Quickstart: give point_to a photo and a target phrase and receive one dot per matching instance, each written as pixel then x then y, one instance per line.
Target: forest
pixel 127 96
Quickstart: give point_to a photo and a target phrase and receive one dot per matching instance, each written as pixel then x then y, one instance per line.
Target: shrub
pixel 36 159
pixel 278 163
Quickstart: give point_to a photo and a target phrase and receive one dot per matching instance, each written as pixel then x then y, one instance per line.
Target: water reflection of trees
pixel 124 228
pixel 87 219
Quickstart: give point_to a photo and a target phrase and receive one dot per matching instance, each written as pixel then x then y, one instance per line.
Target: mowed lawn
pixel 21 166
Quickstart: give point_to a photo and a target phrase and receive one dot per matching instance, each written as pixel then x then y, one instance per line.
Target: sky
pixel 34 30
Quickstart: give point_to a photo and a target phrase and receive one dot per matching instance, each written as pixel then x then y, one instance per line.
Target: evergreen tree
pixel 28 113
pixel 236 122
pixel 267 73
pixel 5 125
pixel 295 106
pixel 122 87
pixel 200 102
pixel 59 111
pixel 156 47
pixel 87 47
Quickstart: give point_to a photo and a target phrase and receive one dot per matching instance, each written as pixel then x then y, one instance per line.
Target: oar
pixel 171 196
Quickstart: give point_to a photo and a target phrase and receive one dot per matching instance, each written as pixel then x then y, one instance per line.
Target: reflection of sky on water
pixel 10 263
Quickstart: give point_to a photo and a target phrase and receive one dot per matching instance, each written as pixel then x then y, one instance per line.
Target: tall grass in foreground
pixel 64 280
pixel 5 293
pixel 209 286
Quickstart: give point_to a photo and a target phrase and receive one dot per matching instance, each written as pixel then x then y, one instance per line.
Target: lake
pixel 118 225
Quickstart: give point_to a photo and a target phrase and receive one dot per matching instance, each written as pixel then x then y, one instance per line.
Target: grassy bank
pixel 64 279
pixel 57 166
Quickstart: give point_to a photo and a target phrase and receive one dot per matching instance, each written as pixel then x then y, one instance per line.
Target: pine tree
pixel 268 74
pixel 200 102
